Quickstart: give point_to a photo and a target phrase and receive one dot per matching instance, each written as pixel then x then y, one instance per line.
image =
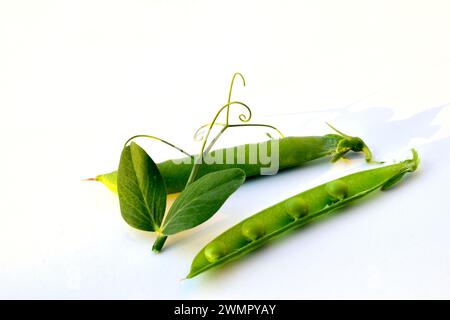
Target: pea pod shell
pixel 293 151
pixel 320 200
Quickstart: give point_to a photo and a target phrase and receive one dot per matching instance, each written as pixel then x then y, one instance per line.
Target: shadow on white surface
pixel 390 245
pixel 420 193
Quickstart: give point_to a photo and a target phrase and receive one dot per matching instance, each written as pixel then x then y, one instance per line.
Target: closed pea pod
pixel 206 180
pixel 299 210
pixel 292 152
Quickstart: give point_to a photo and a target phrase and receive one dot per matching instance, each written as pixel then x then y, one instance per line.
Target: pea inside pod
pixel 303 208
pixel 253 229
pixel 337 189
pixel 214 252
pixel 297 208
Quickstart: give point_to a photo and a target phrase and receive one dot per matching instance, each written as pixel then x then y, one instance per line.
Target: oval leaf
pixel 141 189
pixel 201 200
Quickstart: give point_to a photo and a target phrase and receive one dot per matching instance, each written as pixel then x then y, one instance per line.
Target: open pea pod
pixel 296 212
pixel 292 152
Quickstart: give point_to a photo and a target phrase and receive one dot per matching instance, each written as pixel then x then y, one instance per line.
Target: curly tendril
pixel 246 117
pixel 259 125
pixel 231 91
pixel 199 135
pixel 160 140
pixel 226 106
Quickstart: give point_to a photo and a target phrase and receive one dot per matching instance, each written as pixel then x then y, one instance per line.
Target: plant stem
pixel 159 243
pixel 198 163
pixel 205 149
pixel 161 239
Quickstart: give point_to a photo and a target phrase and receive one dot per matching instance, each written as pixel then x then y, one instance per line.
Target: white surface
pixel 77 78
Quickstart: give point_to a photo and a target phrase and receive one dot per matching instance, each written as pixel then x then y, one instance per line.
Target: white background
pixel 77 78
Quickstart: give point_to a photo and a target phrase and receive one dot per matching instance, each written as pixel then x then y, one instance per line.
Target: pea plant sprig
pixel 242 117
pixel 142 189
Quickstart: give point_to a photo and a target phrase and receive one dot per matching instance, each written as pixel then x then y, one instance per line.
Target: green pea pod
pixel 293 151
pixel 296 212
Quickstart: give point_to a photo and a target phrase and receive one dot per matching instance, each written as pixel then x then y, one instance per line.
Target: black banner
pixel 215 309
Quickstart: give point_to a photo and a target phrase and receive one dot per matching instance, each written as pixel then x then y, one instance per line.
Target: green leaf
pixel 141 188
pixel 201 200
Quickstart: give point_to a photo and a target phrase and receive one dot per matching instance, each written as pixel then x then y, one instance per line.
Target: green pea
pixel 337 189
pixel 297 208
pixel 214 252
pixel 271 222
pixel 293 152
pixel 253 229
